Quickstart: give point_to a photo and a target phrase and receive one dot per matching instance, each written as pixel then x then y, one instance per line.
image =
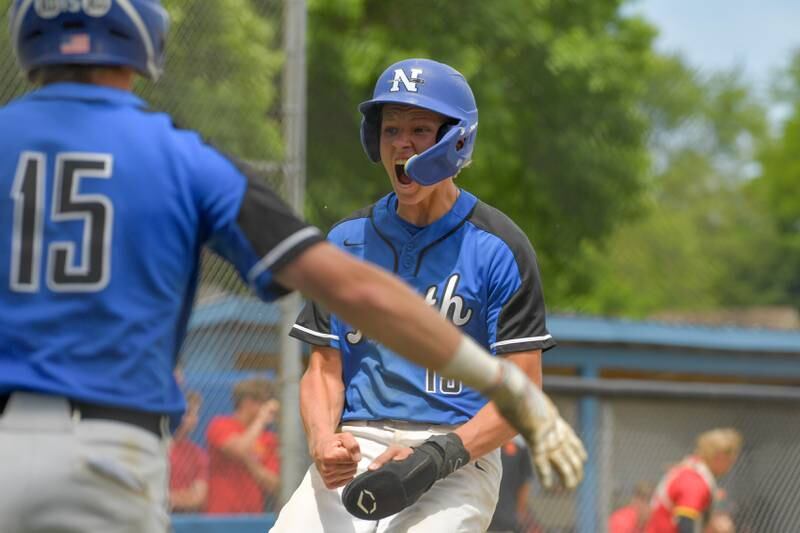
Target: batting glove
pixel 552 442
pixel 379 493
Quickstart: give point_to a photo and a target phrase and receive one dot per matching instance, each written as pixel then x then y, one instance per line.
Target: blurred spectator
pixel 685 496
pixel 188 479
pixel 632 517
pixel 512 513
pixel 244 464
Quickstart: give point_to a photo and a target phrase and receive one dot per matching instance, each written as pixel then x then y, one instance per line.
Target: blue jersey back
pixel 474 265
pixel 104 209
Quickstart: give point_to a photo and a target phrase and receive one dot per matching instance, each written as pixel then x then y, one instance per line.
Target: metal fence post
pixel 293 443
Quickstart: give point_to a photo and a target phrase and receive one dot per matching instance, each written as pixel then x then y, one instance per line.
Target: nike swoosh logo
pixel 349 243
pixel 479 467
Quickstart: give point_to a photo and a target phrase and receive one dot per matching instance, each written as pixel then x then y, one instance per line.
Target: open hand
pixel 394 452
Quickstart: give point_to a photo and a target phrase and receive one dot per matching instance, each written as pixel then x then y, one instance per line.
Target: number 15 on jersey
pixel 68 270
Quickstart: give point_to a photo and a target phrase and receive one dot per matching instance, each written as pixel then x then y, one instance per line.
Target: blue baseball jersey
pixel 105 207
pixel 473 264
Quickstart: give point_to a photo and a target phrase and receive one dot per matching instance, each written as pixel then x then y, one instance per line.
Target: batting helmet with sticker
pixel 90 32
pixel 434 86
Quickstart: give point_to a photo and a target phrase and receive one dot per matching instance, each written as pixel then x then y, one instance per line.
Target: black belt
pixel 148 421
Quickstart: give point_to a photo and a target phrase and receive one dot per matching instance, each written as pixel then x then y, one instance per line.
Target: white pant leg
pixel 313 508
pixel 463 502
pixel 64 475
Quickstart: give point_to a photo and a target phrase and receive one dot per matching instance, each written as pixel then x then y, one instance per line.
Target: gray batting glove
pixel 551 441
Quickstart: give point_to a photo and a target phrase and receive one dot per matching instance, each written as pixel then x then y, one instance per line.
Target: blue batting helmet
pixel 90 32
pixel 429 85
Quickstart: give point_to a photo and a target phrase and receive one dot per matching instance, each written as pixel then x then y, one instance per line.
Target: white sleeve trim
pixel 279 251
pixel 519 341
pixel 316 333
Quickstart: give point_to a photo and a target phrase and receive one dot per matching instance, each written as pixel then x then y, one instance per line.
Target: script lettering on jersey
pixel 48 9
pixel 451 307
pixel 410 84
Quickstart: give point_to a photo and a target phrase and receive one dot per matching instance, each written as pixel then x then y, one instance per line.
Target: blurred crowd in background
pixel 236 469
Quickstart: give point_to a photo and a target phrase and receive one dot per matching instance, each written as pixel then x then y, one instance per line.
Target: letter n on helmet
pixel 436 87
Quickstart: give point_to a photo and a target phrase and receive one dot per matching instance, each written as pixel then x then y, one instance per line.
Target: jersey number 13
pixel 68 270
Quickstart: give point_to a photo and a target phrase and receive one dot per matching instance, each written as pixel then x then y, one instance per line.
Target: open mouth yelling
pixel 400 172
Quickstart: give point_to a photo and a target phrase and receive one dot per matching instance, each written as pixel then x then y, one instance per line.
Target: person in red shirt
pixel 244 466
pixel 188 479
pixel 684 497
pixel 632 517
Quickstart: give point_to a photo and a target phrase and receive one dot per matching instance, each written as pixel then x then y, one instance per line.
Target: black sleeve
pixel 271 226
pixel 515 300
pixel 249 224
pixel 521 324
pixel 313 325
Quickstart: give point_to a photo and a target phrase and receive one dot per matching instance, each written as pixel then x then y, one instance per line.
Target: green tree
pixel 702 242
pixel 222 75
pixel 777 189
pixel 562 144
pixel 12 81
pixel 224 60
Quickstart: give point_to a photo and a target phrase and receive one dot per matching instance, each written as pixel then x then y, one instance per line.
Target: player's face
pixel 722 463
pixel 405 131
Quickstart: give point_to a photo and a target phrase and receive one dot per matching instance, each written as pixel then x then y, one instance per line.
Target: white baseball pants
pixel 462 502
pixel 59 474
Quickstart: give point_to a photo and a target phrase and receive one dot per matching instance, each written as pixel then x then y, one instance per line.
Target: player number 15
pixel 68 269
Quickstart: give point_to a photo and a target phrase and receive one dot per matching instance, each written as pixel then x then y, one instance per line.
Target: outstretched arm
pixel 488 429
pixel 380 305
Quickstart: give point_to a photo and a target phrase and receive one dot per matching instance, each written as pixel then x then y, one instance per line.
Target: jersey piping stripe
pixel 316 333
pixel 440 239
pixel 279 251
pixel 524 339
pixel 384 238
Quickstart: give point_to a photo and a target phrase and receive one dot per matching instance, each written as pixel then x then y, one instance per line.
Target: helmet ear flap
pixel 371 134
pixel 443 159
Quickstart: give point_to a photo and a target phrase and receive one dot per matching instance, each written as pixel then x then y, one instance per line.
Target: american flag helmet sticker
pixel 76 43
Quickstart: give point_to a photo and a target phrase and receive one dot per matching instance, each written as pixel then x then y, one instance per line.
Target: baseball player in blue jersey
pixel 105 206
pixel 428 444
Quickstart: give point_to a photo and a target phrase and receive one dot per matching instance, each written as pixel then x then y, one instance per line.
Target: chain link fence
pixel 225 77
pixel 644 430
pixel 225 73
